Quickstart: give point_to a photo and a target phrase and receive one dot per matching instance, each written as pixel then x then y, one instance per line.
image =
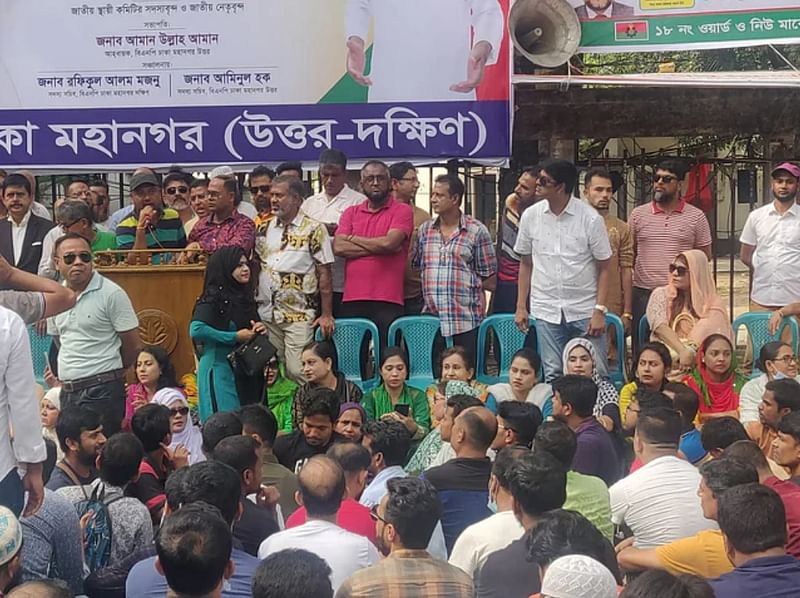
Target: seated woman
pixel 319 369
pixel 776 360
pixel 184 432
pixel 523 383
pixel 456 365
pixel 688 310
pixel 50 406
pixel 653 363
pixel 154 371
pixel 350 423
pixel 579 358
pixel 715 379
pixel 382 402
pixel 280 394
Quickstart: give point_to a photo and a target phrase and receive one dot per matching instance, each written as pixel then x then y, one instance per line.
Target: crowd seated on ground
pixel 269 470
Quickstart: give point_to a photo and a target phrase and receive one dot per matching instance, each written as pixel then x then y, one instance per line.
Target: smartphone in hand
pixel 403 410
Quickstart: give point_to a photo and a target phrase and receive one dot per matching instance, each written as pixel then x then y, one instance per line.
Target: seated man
pixel 80 435
pixel 516 424
pixel 786 446
pixel 780 398
pixel 292 573
pixel 463 482
pixel 753 524
pixel 150 225
pixel 685 402
pixel 704 553
pixel 659 502
pixel 587 495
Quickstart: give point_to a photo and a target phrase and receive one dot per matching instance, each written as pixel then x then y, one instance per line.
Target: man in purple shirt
pixel 224 226
pixel 574 398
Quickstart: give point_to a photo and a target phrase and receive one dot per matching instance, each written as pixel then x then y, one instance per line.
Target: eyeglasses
pixel 787 359
pixel 66 226
pixel 178 411
pixel 666 178
pixel 174 190
pixel 409 179
pixel 679 270
pixel 84 256
pixel 543 181
pixel 260 189
pixel 373 512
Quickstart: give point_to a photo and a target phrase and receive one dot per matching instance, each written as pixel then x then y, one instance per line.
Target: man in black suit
pixel 603 9
pixel 22 232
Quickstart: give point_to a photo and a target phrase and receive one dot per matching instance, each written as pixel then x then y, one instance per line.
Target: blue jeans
pixel 554 337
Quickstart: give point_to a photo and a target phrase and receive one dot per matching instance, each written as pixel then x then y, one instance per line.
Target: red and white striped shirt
pixel 658 237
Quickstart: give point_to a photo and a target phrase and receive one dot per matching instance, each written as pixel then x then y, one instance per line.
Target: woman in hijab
pixel 688 310
pixel 715 379
pixel 224 316
pixel 183 430
pixel 280 394
pixel 579 358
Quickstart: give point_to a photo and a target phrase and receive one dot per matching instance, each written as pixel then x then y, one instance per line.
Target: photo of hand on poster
pixel 442 47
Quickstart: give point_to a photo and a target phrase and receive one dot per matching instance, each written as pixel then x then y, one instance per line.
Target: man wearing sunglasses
pixel 98 337
pixel 565 254
pixel 661 230
pixel 259 182
pixel 177 186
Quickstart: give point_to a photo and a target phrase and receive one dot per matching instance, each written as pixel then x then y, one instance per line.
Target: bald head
pixel 322 486
pixel 476 428
pixel 41 589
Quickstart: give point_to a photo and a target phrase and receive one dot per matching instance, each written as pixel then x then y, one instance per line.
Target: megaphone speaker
pixel 546 32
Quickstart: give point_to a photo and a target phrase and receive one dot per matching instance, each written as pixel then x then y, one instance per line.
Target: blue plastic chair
pixel 509 340
pixel 40 347
pixel 644 331
pixel 755 322
pixel 617 375
pixel 418 333
pixel 348 338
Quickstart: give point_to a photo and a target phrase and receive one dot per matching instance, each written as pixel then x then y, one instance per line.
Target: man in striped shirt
pixel 661 230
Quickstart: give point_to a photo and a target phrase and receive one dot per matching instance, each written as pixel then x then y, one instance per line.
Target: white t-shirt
pixel 659 502
pixel 481 539
pixel 344 552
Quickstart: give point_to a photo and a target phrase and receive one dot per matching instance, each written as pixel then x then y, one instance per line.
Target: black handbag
pixel 250 358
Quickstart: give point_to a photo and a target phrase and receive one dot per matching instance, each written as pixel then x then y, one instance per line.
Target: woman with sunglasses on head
pixel 225 315
pixel 181 426
pixel 715 379
pixel 687 310
pixel 776 360
pixel 153 371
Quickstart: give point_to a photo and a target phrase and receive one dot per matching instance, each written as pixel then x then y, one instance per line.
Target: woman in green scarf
pixel 382 401
pixel 280 394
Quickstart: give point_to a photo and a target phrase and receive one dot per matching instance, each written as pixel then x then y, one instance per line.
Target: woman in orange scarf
pixel 688 310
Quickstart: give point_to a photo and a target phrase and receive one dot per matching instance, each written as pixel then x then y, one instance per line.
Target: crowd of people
pixel 127 478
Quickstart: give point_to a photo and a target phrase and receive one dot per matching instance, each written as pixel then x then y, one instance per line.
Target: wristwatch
pixel 601 308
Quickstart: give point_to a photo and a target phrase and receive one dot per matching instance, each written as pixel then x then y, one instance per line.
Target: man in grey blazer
pixel 593 9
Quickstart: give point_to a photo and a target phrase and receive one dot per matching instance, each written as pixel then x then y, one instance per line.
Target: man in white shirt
pixel 19 410
pixel 460 37
pixel 481 539
pixel 659 501
pixel 771 243
pixel 22 233
pixel 565 255
pixel 329 205
pixel 322 488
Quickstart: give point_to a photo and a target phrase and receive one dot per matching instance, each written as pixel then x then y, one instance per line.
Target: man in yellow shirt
pixel 704 553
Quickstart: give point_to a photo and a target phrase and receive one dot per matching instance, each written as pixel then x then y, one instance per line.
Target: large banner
pixel 656 25
pixel 120 84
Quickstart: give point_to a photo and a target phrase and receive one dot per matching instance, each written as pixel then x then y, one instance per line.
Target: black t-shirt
pixel 255 525
pixel 292 450
pixel 508 573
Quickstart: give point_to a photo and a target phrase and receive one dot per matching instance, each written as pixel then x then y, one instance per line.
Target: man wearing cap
pixel 10 545
pixel 150 225
pixel 770 244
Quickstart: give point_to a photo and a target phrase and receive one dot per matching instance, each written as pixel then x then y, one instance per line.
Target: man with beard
pixel 373 237
pixel 176 187
pixel 404 522
pixel 259 182
pixel 80 434
pixel 456 256
pixel 661 230
pixel 603 9
pixel 771 244
pixel 100 203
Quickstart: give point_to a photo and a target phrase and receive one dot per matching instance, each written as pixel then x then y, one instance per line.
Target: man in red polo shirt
pixel 661 230
pixel 373 237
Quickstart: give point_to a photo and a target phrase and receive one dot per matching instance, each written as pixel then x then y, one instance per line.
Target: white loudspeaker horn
pixel 546 32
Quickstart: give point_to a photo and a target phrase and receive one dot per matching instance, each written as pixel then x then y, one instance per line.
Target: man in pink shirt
pixel 373 237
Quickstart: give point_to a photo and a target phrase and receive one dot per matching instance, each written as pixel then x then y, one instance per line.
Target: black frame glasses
pixel 260 189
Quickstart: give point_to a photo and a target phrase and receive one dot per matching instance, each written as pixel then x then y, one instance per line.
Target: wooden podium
pixel 163 296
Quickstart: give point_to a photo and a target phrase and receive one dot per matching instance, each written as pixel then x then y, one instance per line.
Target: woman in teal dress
pixel 380 402
pixel 224 316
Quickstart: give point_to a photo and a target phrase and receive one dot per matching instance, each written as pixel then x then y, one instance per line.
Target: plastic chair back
pixel 40 347
pixel 617 374
pixel 418 334
pixel 755 322
pixel 644 331
pixel 508 340
pixel 348 338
